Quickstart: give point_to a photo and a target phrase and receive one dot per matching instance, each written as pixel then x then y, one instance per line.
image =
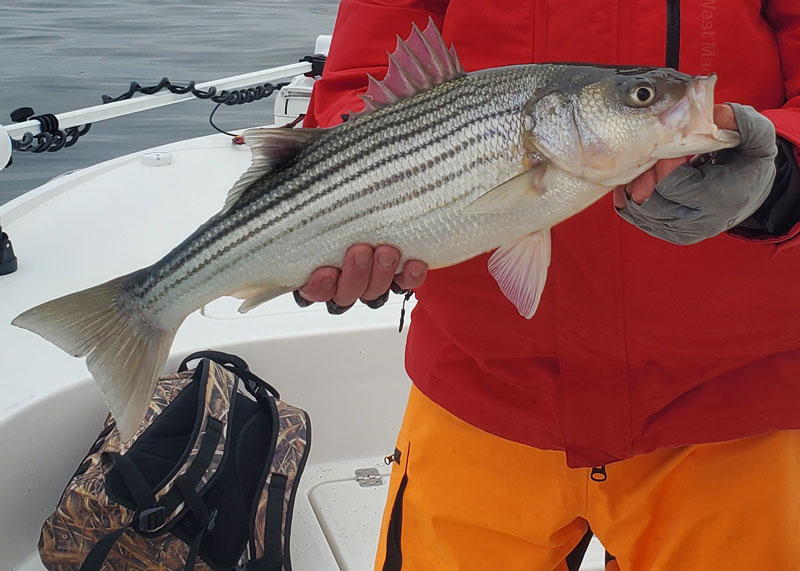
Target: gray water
pixel 58 55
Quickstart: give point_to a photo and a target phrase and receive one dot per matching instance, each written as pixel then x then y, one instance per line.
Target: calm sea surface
pixel 57 56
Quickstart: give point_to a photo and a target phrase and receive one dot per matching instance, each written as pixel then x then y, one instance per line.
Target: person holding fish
pixel 655 393
pixel 606 329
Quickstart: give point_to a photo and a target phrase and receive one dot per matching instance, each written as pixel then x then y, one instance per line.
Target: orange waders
pixel 461 499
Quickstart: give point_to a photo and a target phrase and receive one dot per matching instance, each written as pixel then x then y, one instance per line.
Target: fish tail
pixel 125 350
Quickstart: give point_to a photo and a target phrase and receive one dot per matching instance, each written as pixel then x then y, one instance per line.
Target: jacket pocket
pixel 399 481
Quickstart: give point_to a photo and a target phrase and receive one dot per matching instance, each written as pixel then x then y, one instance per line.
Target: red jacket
pixel 638 344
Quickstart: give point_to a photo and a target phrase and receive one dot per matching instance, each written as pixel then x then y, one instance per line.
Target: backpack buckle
pixel 259 392
pixel 152 518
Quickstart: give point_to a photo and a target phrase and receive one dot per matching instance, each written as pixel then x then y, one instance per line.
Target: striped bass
pixel 441 164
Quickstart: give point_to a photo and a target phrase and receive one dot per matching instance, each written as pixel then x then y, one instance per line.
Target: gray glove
pixel 713 193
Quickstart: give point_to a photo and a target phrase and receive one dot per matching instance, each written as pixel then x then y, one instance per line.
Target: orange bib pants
pixel 461 499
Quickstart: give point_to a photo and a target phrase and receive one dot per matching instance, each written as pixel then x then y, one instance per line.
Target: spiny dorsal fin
pixel 416 64
pixel 272 148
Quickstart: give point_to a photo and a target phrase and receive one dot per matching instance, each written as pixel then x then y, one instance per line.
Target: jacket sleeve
pixel 365 31
pixel 784 17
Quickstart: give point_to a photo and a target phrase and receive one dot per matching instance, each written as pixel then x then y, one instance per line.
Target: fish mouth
pixel 691 123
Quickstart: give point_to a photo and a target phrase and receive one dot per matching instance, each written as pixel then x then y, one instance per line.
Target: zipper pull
pixel 599 474
pixel 408 294
pixel 394 457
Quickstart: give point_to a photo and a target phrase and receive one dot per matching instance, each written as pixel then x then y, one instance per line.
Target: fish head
pixel 689 123
pixel 612 127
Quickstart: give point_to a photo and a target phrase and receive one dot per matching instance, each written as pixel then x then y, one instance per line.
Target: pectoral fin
pixel 517 192
pixel 521 270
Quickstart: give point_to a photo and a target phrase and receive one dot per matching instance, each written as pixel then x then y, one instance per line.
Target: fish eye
pixel 642 94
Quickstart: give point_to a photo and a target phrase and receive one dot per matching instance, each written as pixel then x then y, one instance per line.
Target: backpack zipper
pixel 673 33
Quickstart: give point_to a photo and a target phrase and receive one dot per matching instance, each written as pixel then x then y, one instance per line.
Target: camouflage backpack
pixel 208 481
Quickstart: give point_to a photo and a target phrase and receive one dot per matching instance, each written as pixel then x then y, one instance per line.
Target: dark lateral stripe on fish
pixel 251 209
pixel 219 231
pixel 430 112
pixel 345 151
pixel 329 190
pixel 393 202
pixel 362 193
pixel 326 190
pixel 451 101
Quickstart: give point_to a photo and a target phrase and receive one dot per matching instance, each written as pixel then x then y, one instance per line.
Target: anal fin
pixel 255 295
pixel 521 270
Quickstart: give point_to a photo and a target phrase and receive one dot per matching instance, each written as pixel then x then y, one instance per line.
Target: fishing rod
pixel 67 127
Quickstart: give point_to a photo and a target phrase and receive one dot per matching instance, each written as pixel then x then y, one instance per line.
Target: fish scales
pixel 282 187
pixel 416 145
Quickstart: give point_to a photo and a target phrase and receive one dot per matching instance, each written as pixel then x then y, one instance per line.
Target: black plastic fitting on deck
pixel 8 261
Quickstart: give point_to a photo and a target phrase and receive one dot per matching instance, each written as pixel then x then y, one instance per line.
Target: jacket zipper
pixel 673 33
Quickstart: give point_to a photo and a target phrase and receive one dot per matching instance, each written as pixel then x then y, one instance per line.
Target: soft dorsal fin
pixel 416 64
pixel 272 148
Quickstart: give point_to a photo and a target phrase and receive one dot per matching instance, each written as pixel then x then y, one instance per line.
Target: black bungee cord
pixel 52 138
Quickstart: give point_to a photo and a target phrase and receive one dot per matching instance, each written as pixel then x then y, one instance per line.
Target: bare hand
pixel 366 274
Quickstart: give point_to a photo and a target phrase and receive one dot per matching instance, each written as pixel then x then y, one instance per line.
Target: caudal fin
pixel 124 351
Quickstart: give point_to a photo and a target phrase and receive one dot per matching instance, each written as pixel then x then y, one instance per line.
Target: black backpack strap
pixel 149 514
pixel 216 356
pixel 204 519
pixel 205 455
pixel 191 478
pixel 273 524
pixel 259 388
pixel 134 480
pixel 235 364
pixel 273 532
pixel 97 556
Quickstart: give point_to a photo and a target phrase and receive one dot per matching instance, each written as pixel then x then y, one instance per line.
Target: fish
pixel 442 164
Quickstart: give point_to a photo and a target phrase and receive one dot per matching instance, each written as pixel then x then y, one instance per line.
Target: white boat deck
pixel 110 219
